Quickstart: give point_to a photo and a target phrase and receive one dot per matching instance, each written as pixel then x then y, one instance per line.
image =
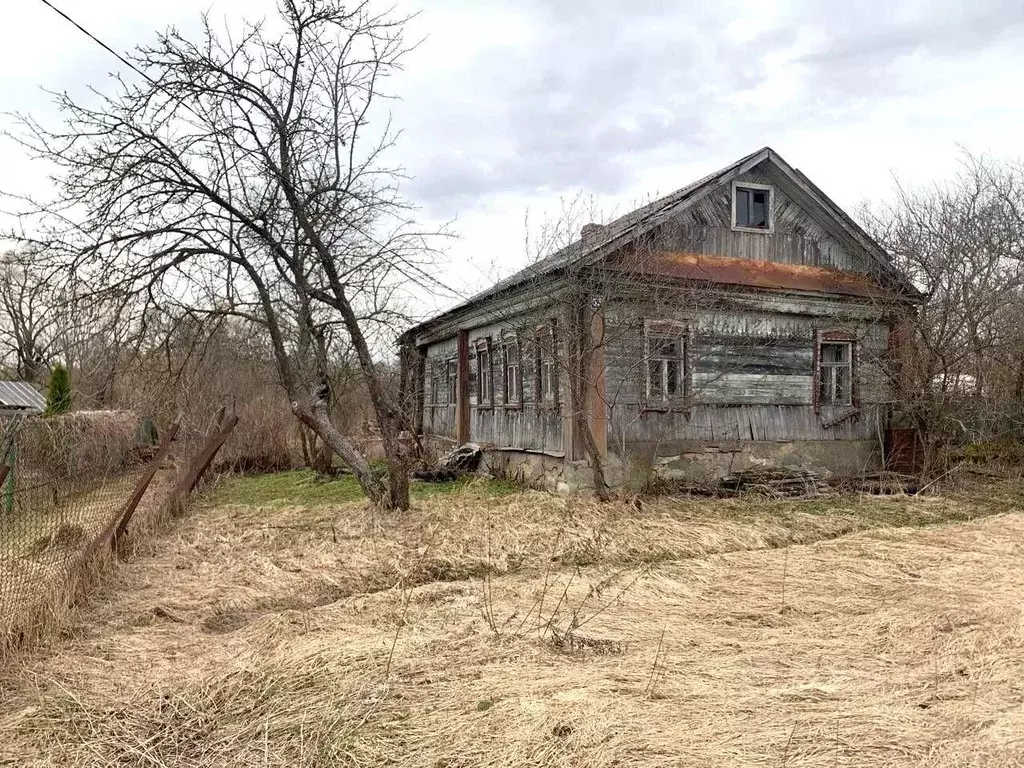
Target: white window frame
pixel 513 390
pixel 451 367
pixel 484 376
pixel 827 373
pixel 546 359
pixel 666 329
pixel 771 207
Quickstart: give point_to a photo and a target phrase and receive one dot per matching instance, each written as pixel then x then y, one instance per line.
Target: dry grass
pixel 51 555
pixel 534 630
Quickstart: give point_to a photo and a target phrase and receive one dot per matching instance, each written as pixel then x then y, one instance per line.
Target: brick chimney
pixel 592 234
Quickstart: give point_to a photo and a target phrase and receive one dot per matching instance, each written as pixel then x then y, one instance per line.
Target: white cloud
pixel 512 104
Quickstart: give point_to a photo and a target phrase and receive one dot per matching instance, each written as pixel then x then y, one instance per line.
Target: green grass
pixel 303 487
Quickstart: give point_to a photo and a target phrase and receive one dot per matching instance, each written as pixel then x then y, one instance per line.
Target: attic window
pixel 752 207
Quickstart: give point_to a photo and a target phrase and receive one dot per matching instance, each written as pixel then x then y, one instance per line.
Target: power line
pixel 93 37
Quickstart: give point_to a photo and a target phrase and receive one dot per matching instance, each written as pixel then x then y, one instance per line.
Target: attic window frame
pixel 738 185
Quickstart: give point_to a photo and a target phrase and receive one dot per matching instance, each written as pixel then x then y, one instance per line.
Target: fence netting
pixel 66 485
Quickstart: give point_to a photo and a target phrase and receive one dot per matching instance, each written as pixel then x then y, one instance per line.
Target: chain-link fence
pixel 71 489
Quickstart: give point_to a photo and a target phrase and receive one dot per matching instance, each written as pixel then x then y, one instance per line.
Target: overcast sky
pixel 510 104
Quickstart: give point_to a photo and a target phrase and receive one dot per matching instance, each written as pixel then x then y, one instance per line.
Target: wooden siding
pixel 751 375
pixel 526 425
pixel 717 424
pixel 439 419
pixel 706 229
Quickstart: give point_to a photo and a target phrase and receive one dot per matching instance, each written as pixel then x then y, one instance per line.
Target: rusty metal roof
pixel 21 396
pixel 725 270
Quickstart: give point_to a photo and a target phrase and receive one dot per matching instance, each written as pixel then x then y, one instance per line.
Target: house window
pixel 512 371
pixel 752 207
pixel 835 373
pixel 546 367
pixel 665 361
pixel 484 373
pixel 452 380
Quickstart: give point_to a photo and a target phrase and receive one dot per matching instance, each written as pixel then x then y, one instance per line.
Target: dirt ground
pixel 488 628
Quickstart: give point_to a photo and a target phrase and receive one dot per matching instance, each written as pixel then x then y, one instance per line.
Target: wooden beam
pixel 143 484
pixel 190 479
pixel 462 404
pixel 597 412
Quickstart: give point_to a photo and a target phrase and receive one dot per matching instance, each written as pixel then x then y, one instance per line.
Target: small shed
pixel 20 398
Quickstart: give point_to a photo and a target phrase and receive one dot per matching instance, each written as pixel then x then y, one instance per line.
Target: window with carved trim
pixel 835 373
pixel 452 380
pixel 546 366
pixel 484 373
pixel 511 366
pixel 665 361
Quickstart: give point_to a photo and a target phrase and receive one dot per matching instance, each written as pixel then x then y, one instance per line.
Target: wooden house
pixel 744 320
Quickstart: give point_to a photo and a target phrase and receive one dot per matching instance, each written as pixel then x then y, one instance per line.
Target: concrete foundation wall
pixel 697 462
pixel 707 462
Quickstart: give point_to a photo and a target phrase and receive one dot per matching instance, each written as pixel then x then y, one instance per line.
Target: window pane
pixel 664 347
pixel 759 208
pixel 835 353
pixel 842 376
pixel 483 367
pixel 825 386
pixel 742 207
pixel 655 377
pixel 672 381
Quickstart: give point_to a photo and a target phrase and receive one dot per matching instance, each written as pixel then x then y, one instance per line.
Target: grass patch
pixel 305 488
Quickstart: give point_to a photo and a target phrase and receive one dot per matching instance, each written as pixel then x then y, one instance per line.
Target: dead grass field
pixel 489 628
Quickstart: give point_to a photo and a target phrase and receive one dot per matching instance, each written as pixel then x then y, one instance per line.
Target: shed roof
pixel 21 396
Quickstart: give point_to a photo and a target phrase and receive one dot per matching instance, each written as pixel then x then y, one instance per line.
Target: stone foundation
pixel 709 462
pixel 693 462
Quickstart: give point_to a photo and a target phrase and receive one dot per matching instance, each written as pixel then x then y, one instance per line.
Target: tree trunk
pixel 594 456
pixel 316 419
pixel 582 338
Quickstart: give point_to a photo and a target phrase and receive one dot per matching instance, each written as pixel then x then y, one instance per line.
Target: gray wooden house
pixel 744 320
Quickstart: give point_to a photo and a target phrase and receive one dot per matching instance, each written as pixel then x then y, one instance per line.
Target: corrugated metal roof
pixel 22 396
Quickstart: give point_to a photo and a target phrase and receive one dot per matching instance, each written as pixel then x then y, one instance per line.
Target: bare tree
pixel 242 175
pixel 962 243
pixel 29 317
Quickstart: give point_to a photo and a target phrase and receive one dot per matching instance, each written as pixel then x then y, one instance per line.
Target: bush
pixel 58 397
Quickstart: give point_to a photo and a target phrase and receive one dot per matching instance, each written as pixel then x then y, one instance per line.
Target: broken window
pixel 835 373
pixel 484 373
pixel 511 367
pixel 666 360
pixel 752 207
